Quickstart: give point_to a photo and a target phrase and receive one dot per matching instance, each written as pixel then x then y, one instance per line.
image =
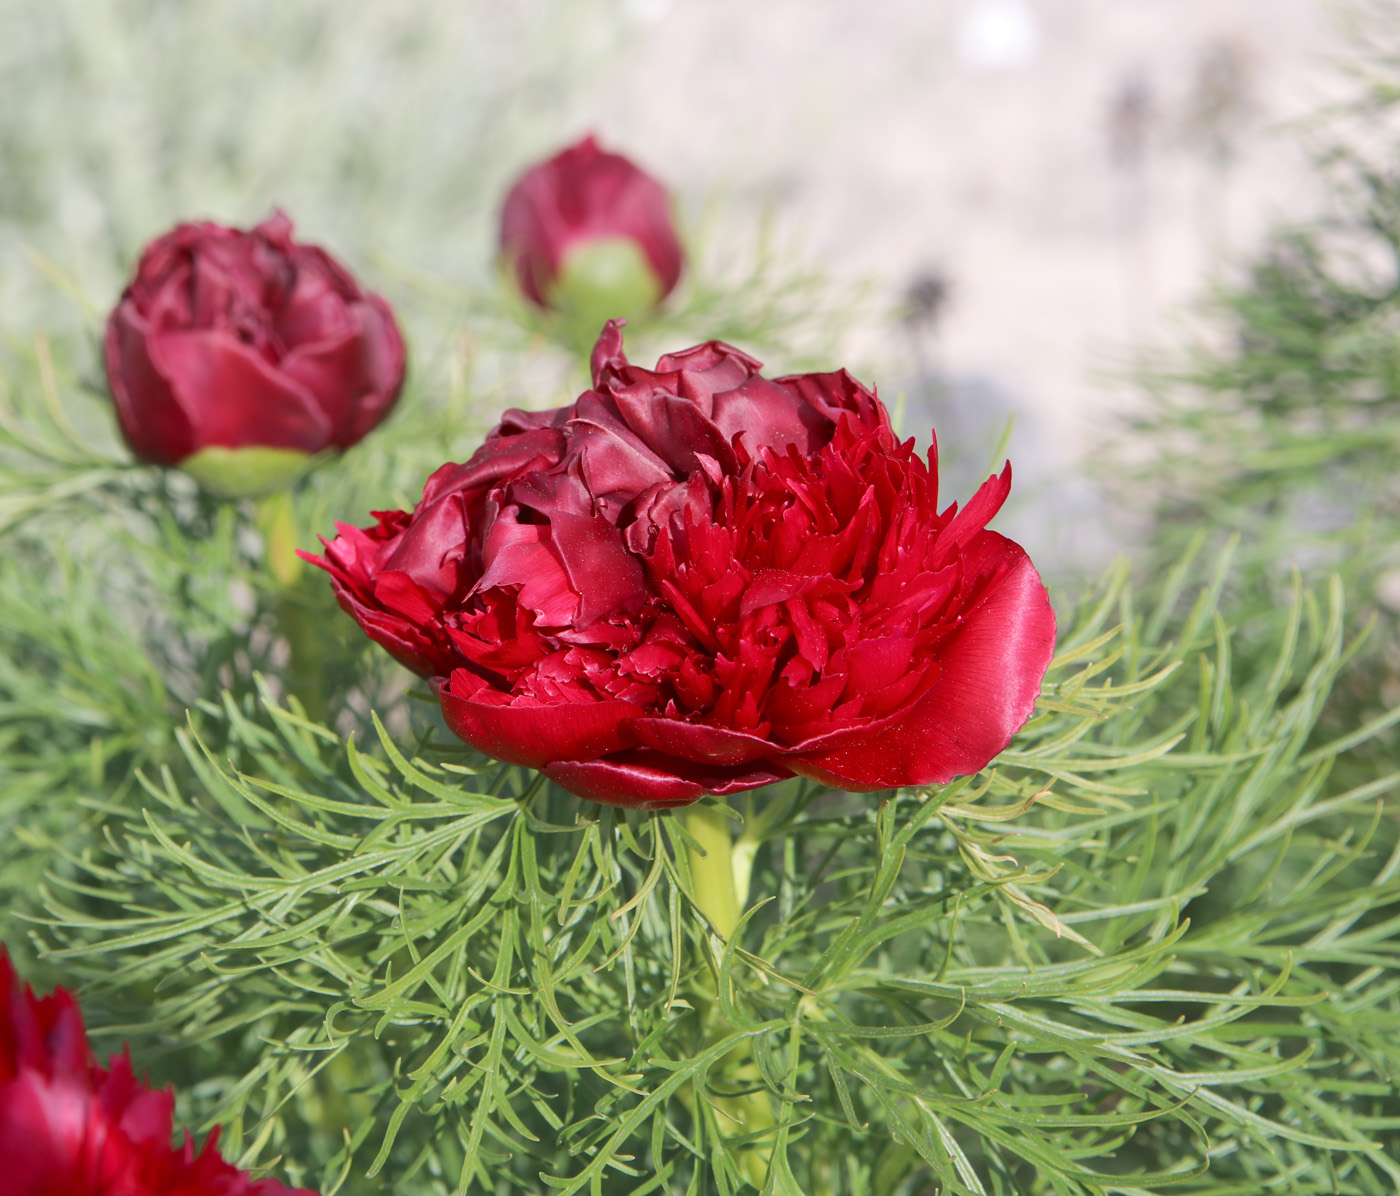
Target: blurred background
pixel 1006 199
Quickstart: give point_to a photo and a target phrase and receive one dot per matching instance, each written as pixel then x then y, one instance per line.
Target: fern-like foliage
pixel 1152 946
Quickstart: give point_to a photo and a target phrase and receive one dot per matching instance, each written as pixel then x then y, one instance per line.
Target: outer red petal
pixel 987 685
pixel 355 375
pixel 42 1127
pixel 644 780
pixel 835 393
pixel 233 397
pixel 383 365
pixel 151 418
pixel 701 743
pixel 536 735
pixel 39 1033
pixel 396 635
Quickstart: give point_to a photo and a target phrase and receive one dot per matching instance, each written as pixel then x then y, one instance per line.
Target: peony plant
pixel 1149 947
pixel 241 356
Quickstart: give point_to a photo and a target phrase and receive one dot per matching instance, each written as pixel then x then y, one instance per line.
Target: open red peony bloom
pixel 589 231
pixel 238 355
pixel 71 1128
pixel 698 580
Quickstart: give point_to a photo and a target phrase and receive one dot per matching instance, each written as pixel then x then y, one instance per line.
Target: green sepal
pixel 247 472
pixel 604 279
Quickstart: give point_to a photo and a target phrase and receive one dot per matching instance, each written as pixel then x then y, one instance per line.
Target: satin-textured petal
pixel 651 781
pixel 538 735
pixel 234 398
pixel 988 680
pixel 151 418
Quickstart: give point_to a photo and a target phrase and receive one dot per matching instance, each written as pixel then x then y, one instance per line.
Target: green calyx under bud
pixel 604 279
pixel 246 472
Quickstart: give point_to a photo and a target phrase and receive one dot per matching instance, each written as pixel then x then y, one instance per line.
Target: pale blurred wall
pixel 1074 168
pixel 1065 176
pixel 1071 170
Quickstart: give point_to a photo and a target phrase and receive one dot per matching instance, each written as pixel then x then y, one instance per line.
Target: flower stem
pixel 297 617
pixel 712 866
pixel 277 521
pixel 302 626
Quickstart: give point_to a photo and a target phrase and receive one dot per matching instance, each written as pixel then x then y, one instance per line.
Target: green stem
pixel 713 869
pixel 712 866
pixel 277 521
pixel 297 615
pixel 302 625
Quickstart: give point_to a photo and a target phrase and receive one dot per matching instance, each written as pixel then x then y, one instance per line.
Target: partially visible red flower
pixel 589 230
pixel 69 1127
pixel 238 354
pixel 698 580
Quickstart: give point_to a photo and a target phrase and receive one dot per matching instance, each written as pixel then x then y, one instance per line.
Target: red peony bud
pixel 69 1127
pixel 238 356
pixel 697 580
pixel 590 235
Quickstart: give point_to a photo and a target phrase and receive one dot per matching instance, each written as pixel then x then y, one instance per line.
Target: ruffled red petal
pixel 988 680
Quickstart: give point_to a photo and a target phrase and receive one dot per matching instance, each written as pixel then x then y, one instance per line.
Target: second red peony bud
pixel 591 236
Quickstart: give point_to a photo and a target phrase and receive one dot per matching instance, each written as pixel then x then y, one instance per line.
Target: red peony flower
pixel 71 1128
pixel 589 233
pixel 697 580
pixel 239 355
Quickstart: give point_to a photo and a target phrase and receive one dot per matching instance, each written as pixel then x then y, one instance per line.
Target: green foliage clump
pixel 1153 945
pixel 1150 948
